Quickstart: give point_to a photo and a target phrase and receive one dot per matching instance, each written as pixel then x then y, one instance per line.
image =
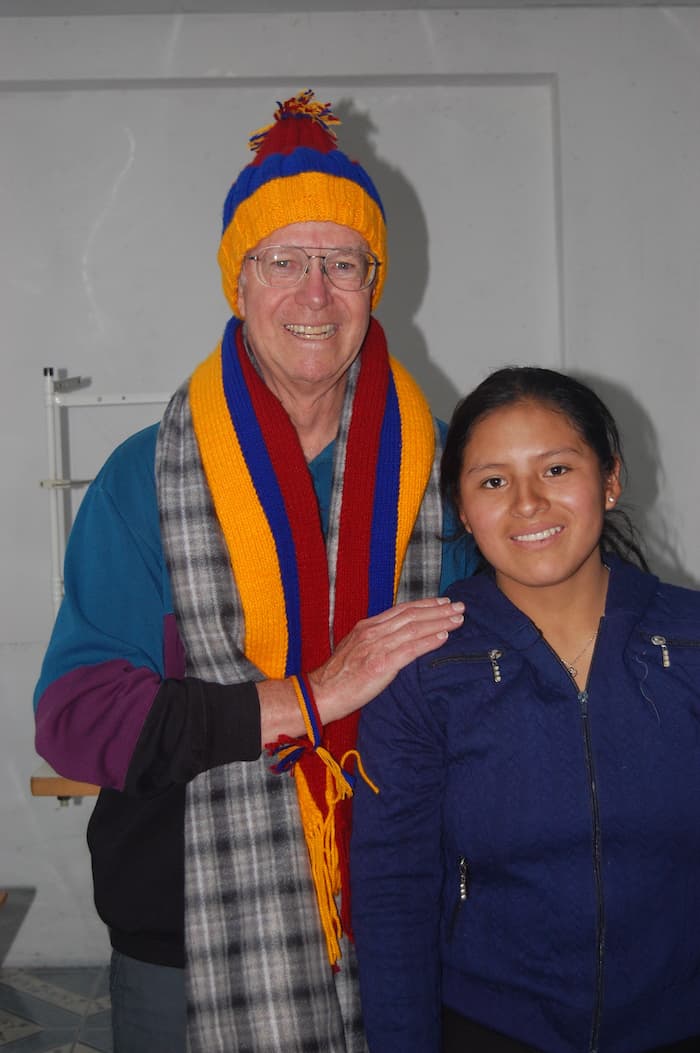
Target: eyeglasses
pixel 282 266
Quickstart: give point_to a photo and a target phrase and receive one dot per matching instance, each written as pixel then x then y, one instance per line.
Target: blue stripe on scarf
pixel 259 465
pixel 385 512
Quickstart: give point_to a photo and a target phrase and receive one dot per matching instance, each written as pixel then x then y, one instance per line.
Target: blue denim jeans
pixel 148 1006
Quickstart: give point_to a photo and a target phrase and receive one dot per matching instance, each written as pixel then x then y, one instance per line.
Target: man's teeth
pixel 541 535
pixel 310 330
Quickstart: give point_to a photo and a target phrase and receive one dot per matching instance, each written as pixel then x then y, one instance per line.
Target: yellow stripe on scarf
pixel 417 455
pixel 249 539
pixel 255 563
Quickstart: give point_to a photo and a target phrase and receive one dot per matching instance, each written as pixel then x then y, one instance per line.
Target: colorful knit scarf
pixel 265 502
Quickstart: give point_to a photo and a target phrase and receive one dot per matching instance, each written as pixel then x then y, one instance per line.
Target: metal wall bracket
pixel 65 393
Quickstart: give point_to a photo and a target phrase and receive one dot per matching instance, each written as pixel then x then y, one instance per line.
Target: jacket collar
pixel 630 591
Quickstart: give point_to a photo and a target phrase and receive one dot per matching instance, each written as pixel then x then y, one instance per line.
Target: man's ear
pixel 240 296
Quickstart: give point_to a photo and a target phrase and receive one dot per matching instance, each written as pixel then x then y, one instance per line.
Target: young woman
pixel 528 876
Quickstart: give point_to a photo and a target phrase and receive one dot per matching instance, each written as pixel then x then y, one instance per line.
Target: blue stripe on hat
pixel 302 159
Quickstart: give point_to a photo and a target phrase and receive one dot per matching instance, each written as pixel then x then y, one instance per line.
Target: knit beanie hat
pixel 298 175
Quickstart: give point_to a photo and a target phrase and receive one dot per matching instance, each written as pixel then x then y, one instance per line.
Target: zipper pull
pixel 463 879
pixel 660 641
pixel 463 895
pixel 493 658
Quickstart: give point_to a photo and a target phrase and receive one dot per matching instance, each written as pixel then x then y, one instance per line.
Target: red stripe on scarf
pixel 352 569
pixel 353 564
pixel 358 485
pixel 301 505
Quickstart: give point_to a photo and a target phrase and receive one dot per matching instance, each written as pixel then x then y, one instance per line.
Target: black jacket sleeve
pixel 194 725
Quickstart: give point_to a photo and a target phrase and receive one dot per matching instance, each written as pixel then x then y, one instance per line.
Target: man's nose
pixel 314 288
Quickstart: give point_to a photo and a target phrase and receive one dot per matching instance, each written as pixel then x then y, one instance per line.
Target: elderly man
pixel 247 575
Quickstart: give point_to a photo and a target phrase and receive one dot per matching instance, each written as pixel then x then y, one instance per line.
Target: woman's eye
pixel 557 470
pixel 493 483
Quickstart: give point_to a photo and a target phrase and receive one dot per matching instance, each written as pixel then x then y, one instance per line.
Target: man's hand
pixel 372 653
pixel 362 665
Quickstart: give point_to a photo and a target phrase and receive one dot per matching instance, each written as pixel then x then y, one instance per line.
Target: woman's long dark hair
pixel 585 411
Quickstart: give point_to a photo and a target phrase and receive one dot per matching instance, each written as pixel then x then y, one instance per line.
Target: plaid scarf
pixel 237 504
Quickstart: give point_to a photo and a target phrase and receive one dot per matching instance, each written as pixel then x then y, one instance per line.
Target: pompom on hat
pixel 298 175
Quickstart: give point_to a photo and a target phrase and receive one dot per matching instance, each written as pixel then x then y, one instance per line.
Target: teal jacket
pixel 114 707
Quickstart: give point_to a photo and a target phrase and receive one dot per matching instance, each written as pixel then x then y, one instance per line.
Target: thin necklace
pixel 571 666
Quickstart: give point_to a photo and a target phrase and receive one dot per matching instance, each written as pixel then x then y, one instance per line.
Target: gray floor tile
pixel 81 980
pixel 55 1010
pixel 36 1010
pixel 44 1041
pixel 13 1028
pixel 14 912
pixel 98 1021
pixel 100 1040
pixel 56 987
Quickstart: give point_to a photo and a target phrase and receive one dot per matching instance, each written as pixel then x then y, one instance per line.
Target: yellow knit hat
pixel 298 175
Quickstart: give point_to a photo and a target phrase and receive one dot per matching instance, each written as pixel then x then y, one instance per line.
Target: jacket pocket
pixel 671 647
pixel 493 657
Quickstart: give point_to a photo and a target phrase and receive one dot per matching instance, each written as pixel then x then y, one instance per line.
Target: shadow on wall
pixel 408 258
pixel 12 914
pixel 645 476
pixel 404 291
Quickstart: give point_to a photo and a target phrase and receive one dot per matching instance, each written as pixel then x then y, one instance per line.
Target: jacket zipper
pixel 493 656
pixel 666 642
pixel 463 870
pixel 597 876
pixel 596 857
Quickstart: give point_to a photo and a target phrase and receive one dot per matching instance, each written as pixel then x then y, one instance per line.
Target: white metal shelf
pixel 65 394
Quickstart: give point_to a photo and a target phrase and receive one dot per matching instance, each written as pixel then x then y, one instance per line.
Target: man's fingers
pixel 372 653
pixel 373 640
pixel 436 611
pixel 411 637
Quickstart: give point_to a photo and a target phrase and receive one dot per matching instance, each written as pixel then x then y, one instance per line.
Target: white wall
pixel 540 169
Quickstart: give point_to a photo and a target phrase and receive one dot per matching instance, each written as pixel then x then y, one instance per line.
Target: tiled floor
pixel 57 1010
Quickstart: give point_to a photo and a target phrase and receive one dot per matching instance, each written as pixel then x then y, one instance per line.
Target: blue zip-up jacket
pixel 114 707
pixel 532 859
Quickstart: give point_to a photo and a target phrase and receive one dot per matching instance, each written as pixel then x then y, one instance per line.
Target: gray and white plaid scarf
pixel 258 978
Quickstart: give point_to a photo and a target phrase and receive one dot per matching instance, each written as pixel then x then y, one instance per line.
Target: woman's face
pixel 532 493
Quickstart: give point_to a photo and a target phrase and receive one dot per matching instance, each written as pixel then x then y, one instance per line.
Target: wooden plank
pixel 45 782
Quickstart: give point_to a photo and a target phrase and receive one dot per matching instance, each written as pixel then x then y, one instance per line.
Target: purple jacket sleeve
pixel 112 704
